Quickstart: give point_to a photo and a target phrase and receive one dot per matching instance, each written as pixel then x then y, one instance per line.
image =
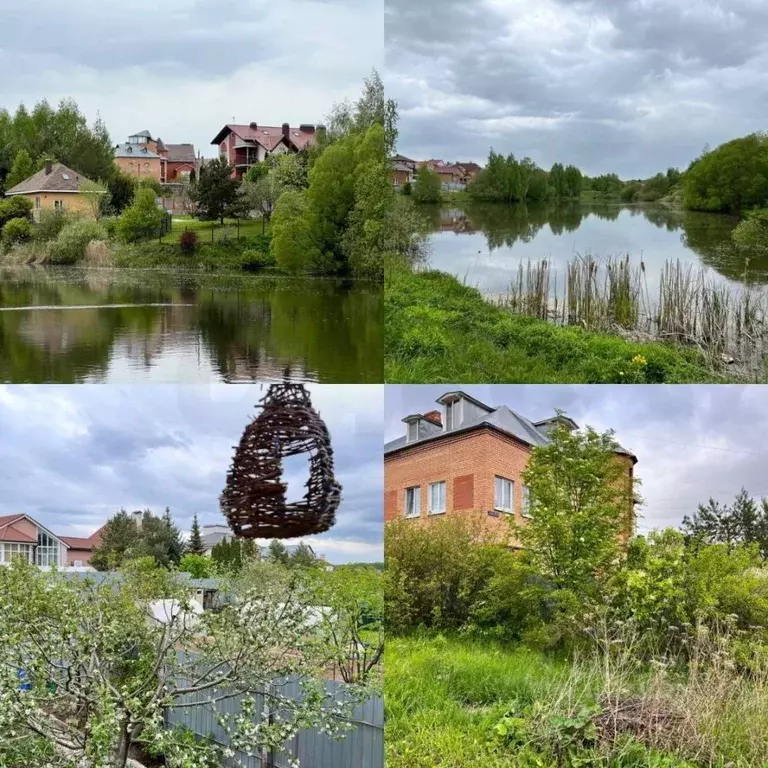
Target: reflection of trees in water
pixel 319 328
pixel 708 235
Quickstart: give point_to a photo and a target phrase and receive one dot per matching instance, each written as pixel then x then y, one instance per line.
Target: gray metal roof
pixel 142 151
pixel 501 418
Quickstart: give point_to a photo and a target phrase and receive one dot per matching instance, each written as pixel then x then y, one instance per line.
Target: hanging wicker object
pixel 254 499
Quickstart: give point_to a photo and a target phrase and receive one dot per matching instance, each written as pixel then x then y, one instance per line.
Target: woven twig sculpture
pixel 254 500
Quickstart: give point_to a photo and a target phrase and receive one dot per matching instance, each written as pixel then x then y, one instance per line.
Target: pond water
pixel 70 325
pixel 484 244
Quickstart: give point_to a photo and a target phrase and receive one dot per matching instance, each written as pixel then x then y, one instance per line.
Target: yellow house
pixel 54 187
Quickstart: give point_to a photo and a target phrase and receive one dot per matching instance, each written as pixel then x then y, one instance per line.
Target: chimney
pixel 306 128
pixel 435 417
pixel 48 167
pixel 253 126
pixel 137 517
pixel 286 129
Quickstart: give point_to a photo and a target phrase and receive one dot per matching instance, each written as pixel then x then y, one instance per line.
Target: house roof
pixel 60 179
pixel 470 167
pixel 78 542
pixel 269 136
pixel 134 150
pixel 501 418
pixel 400 166
pixel 144 134
pixel 180 153
pixel 9 533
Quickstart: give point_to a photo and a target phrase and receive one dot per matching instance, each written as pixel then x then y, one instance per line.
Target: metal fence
pixel 362 747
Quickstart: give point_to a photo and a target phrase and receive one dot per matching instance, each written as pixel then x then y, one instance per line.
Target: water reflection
pixel 71 326
pixel 485 243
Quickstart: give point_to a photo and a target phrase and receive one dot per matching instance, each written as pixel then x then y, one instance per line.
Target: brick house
pixel 466 460
pixel 468 171
pixel 22 536
pixel 54 187
pixel 244 146
pixel 143 156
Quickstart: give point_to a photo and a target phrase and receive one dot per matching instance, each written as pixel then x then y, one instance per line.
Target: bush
pixel 255 259
pixel 142 219
pixel 188 241
pixel 752 233
pixel 70 245
pixel 16 231
pixel 50 224
pixel 16 207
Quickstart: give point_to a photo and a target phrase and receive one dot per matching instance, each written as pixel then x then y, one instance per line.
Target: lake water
pixel 484 244
pixel 70 325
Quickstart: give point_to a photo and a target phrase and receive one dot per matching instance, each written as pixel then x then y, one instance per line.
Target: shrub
pixel 255 259
pixel 110 224
pixel 16 207
pixel 142 219
pixel 16 231
pixel 70 245
pixel 50 224
pixel 188 241
pixel 752 232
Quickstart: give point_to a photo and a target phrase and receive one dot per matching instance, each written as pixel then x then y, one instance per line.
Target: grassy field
pixel 460 703
pixel 213 231
pixel 439 330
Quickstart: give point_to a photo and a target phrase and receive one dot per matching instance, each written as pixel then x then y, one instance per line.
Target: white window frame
pixel 499 503
pixel 526 509
pixel 48 549
pixel 415 491
pixel 11 549
pixel 413 425
pixel 438 508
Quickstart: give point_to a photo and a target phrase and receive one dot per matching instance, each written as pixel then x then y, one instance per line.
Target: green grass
pixel 212 231
pixel 438 330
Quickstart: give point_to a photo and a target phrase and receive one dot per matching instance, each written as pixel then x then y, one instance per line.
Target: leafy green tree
pixel 22 169
pixel 302 556
pixel 557 180
pixel 295 240
pixel 16 231
pixel 258 171
pixel 143 219
pixel 752 232
pixel 427 187
pixel 277 552
pixel 198 566
pixel 581 509
pixel 290 171
pixel 195 545
pixel 731 178
pixel 262 195
pixel 16 207
pixel 118 537
pixel 95 194
pixel 122 188
pixel 217 192
pixel 573 181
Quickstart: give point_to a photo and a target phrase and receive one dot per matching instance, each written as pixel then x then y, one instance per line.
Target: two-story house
pixel 243 146
pixel 466 459
pixel 146 157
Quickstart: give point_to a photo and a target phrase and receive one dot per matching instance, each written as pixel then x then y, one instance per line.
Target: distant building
pixel 243 146
pixel 55 187
pixel 216 533
pixel 145 157
pixel 401 170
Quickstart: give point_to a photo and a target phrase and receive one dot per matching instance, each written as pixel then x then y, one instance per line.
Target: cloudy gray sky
pixel 692 442
pixel 184 68
pixel 631 86
pixel 71 456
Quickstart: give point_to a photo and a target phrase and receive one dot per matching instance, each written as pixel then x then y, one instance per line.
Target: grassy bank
pixel 460 703
pixel 439 330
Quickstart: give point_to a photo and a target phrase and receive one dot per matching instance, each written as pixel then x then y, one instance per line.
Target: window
pixel 437 498
pixel 9 551
pixel 58 204
pixel 449 411
pixel 413 501
pixel 37 202
pixel 413 431
pixel 526 502
pixel 47 549
pixel 504 495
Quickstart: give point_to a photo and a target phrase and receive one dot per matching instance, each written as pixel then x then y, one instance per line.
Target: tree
pixel 217 191
pixel 143 219
pixel 294 235
pixel 427 186
pixel 581 508
pixel 195 545
pixel 95 194
pixel 277 552
pixel 752 232
pixel 198 566
pixel 175 542
pixel 117 538
pixel 108 672
pixel 262 195
pixel 22 169
pixel 290 171
pixel 121 188
pixel 16 207
pixel 302 556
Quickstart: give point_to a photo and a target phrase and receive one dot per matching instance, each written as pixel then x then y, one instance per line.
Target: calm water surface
pixel 485 244
pixel 70 325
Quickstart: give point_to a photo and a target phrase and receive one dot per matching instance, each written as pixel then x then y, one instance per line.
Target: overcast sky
pixel 691 442
pixel 184 68
pixel 71 456
pixel 631 86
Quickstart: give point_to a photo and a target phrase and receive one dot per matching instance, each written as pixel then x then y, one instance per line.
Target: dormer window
pixel 450 415
pixel 413 431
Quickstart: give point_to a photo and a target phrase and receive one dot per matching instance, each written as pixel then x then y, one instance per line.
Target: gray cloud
pixel 183 68
pixel 72 456
pixel 692 442
pixel 633 86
